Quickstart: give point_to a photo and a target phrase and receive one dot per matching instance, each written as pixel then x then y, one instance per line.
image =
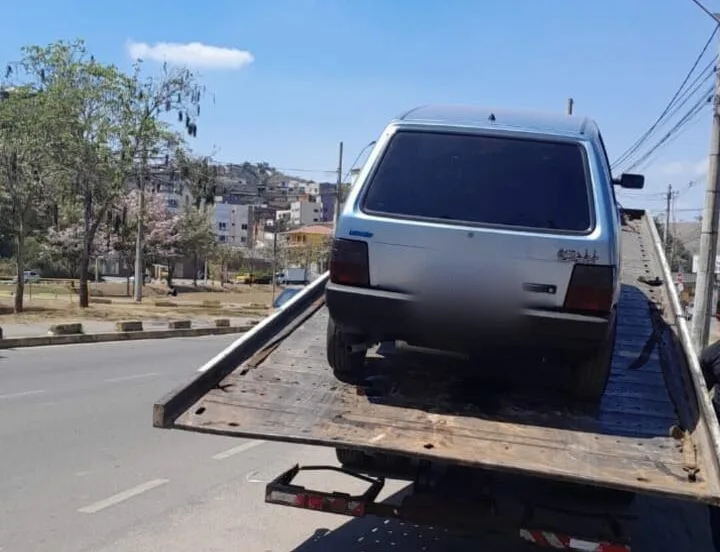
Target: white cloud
pixel 672 169
pixel 701 167
pixel 192 54
pixel 679 169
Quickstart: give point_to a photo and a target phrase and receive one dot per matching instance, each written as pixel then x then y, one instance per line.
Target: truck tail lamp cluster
pixel 349 263
pixel 284 492
pixel 321 502
pixel 591 289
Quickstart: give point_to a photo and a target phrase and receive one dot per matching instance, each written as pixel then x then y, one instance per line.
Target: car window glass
pixel 482 179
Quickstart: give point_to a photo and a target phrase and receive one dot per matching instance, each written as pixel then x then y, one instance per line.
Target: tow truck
pixel 485 454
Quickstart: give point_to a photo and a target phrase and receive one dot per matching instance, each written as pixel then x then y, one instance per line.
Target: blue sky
pixel 302 75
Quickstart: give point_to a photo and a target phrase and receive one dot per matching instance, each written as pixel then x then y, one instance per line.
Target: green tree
pixel 172 92
pixel 84 99
pixel 678 256
pixel 195 236
pixel 25 128
pixel 199 175
pixel 228 258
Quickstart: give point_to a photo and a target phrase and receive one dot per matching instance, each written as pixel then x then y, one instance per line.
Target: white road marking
pixel 122 497
pixel 128 378
pixel 258 477
pixel 22 394
pixel 237 450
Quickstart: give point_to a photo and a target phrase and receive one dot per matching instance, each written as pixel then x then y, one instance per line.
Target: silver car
pixel 469 229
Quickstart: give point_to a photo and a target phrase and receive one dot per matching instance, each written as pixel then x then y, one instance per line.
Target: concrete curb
pixel 44 340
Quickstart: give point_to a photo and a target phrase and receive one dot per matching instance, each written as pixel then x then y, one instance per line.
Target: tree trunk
pixel 20 263
pixel 195 269
pixel 83 291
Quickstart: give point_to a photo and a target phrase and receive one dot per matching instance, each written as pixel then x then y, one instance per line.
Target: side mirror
pixel 630 181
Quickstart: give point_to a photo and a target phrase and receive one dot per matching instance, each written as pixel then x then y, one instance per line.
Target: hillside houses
pixel 250 203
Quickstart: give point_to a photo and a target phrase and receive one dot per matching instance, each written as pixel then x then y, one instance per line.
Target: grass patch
pixel 235 301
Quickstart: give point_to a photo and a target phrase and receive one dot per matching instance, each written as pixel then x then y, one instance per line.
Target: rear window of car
pixel 484 180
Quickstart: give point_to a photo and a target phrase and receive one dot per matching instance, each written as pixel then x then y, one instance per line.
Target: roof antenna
pixel 491 117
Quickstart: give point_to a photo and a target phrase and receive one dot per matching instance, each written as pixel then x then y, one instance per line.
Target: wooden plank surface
pixel 495 413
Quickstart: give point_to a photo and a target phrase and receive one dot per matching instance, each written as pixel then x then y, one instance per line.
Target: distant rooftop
pixel 323 229
pixel 483 117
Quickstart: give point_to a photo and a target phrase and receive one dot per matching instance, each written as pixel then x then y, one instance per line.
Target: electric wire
pixel 639 142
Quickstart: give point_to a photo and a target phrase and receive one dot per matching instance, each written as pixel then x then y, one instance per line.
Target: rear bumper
pixel 383 315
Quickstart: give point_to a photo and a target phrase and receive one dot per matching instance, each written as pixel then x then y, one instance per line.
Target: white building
pixel 305 212
pixel 283 215
pixel 231 223
pixel 312 188
pixel 175 195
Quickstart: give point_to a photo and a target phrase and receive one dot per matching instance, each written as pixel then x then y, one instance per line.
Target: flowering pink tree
pixel 63 246
pixel 160 229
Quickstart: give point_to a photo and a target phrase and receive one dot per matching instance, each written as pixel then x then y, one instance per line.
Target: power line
pixel 707 11
pixel 633 148
pixel 691 92
pixel 367 146
pixel 689 116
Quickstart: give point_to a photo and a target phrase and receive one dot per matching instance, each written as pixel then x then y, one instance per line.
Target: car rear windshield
pixel 483 180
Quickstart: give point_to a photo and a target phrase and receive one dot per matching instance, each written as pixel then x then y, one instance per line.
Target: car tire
pixel 590 377
pixel 345 363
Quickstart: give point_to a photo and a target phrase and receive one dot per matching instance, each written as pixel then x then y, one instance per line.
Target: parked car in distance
pixel 472 228
pixel 29 276
pixel 285 295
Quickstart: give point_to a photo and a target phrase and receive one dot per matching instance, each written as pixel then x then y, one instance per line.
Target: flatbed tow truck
pixel 485 455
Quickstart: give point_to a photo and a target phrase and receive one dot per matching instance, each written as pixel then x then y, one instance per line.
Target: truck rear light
pixel 323 502
pixel 591 289
pixel 349 263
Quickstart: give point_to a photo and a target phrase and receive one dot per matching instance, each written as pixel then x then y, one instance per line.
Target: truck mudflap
pixel 476 514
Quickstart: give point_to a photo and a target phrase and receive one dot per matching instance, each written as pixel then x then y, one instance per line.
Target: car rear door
pixel 457 212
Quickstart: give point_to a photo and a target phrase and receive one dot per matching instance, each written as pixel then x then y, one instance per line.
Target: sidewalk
pixel 100 326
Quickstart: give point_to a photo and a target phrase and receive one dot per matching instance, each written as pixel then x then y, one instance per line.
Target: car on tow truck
pixel 473 228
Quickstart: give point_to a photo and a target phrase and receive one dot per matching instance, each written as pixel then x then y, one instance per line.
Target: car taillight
pixel 591 288
pixel 349 263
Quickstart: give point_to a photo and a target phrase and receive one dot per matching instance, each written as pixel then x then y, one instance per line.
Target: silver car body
pixel 405 253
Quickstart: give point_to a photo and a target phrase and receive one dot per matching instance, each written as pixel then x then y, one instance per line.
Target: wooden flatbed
pixel 652 433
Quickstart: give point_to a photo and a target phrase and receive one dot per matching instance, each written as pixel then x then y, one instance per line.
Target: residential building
pixel 326 196
pixel 283 215
pixel 315 234
pixel 231 222
pixel 303 213
pixel 309 246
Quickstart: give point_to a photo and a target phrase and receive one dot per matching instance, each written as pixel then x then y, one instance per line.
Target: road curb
pixel 44 340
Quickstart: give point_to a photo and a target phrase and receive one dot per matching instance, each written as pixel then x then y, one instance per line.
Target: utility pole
pixel 139 261
pixel 570 103
pixel 705 286
pixel 338 192
pixel 668 200
pixel 274 261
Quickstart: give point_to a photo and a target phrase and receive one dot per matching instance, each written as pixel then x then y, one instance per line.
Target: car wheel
pixel 346 363
pixel 590 377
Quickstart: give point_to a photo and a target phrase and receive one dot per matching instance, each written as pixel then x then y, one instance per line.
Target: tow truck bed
pixel 652 433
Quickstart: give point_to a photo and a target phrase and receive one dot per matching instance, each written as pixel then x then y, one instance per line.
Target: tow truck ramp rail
pixel 653 433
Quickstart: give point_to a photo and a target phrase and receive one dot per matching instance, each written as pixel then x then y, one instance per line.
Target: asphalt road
pixel 84 471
